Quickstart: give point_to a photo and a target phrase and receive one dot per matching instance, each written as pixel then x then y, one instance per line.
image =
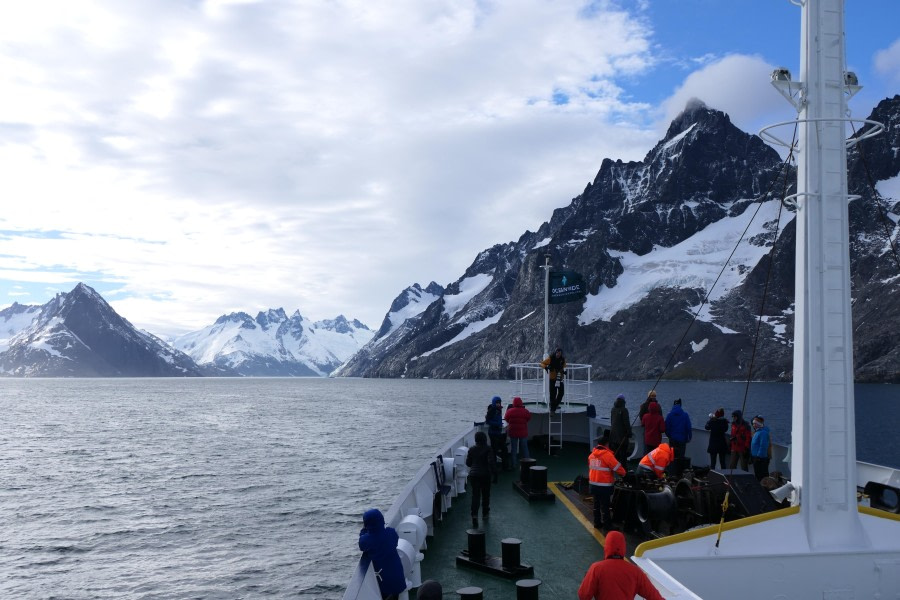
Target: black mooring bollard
pixel 525 470
pixel 511 557
pixel 470 593
pixel 527 589
pixel 476 545
pixel 538 480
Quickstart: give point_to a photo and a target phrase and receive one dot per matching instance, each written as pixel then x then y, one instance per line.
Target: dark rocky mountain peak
pixel 80 334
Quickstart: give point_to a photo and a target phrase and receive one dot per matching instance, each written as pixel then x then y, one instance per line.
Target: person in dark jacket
pixel 645 405
pixel 494 420
pixel 654 427
pixel 379 544
pixel 620 429
pixel 482 470
pixel 718 445
pixel 740 441
pixel 555 365
pixel 614 578
pixel 678 428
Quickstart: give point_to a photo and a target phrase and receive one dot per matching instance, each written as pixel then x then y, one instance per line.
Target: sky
pixel 196 158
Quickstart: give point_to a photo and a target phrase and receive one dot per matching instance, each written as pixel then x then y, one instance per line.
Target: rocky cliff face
pixel 653 240
pixel 79 335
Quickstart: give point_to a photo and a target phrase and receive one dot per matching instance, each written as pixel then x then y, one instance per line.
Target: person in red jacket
pixel 615 579
pixel 740 441
pixel 654 426
pixel 517 417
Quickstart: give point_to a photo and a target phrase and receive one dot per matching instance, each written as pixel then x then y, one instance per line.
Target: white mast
pixel 823 406
pixel 822 547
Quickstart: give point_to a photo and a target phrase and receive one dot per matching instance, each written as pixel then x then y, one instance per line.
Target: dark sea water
pixel 246 488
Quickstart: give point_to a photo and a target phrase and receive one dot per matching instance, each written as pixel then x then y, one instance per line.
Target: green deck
pixel 558 544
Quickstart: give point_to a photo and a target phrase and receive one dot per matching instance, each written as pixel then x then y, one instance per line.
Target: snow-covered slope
pixel 274 344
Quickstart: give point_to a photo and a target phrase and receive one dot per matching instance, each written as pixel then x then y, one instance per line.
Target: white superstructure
pixel 824 547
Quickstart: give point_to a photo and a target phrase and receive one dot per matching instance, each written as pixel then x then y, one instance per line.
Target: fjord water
pixel 242 488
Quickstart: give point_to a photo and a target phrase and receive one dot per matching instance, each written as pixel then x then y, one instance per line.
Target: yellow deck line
pixel 601 539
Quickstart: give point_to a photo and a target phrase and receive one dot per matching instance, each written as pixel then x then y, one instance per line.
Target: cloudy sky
pixel 193 158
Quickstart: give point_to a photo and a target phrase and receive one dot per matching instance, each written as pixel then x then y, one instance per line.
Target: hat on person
pixel 496 400
pixel 737 413
pixel 620 397
pixel 759 418
pixel 652 394
pixel 603 438
pixel 430 590
pixel 678 401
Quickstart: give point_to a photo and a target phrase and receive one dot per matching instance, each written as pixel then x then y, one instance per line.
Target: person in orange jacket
pixel 656 461
pixel 603 466
pixel 615 579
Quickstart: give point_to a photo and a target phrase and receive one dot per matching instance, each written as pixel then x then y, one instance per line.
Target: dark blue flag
pixel 566 286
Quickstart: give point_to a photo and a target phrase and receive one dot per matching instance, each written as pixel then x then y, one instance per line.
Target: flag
pixel 566 286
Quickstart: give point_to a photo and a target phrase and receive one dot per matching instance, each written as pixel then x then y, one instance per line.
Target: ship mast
pixel 824 468
pixel 825 545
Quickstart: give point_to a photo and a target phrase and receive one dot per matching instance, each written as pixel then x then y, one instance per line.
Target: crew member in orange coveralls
pixel 615 579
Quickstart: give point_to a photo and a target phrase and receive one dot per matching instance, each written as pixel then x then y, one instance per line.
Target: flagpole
pixel 546 317
pixel 546 305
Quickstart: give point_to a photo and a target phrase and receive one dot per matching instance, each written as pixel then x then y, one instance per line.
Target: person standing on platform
pixel 603 467
pixel 654 427
pixel 379 544
pixel 555 364
pixel 494 420
pixel 615 579
pixel 517 417
pixel 740 441
pixel 678 428
pixel 718 445
pixel 482 470
pixel 759 448
pixel 620 430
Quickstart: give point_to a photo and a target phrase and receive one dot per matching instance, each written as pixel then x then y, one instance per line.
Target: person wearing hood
pixel 482 469
pixel 678 428
pixel 620 429
pixel 645 405
pixel 603 466
pixel 655 462
pixel 740 441
pixel 718 445
pixel 493 418
pixel 613 578
pixel 379 544
pixel 759 448
pixel 517 417
pixel 654 426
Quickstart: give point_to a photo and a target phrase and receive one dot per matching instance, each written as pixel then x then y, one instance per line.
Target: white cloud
pixel 736 84
pixel 887 63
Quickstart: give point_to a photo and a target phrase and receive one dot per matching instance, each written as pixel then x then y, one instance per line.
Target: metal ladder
pixel 554 427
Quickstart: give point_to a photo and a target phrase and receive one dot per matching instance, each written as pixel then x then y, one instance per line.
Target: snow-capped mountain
pixel 653 238
pixel 274 344
pixel 79 335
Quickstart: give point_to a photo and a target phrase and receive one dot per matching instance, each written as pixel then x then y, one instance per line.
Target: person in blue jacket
pixel 678 428
pixel 379 544
pixel 759 448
